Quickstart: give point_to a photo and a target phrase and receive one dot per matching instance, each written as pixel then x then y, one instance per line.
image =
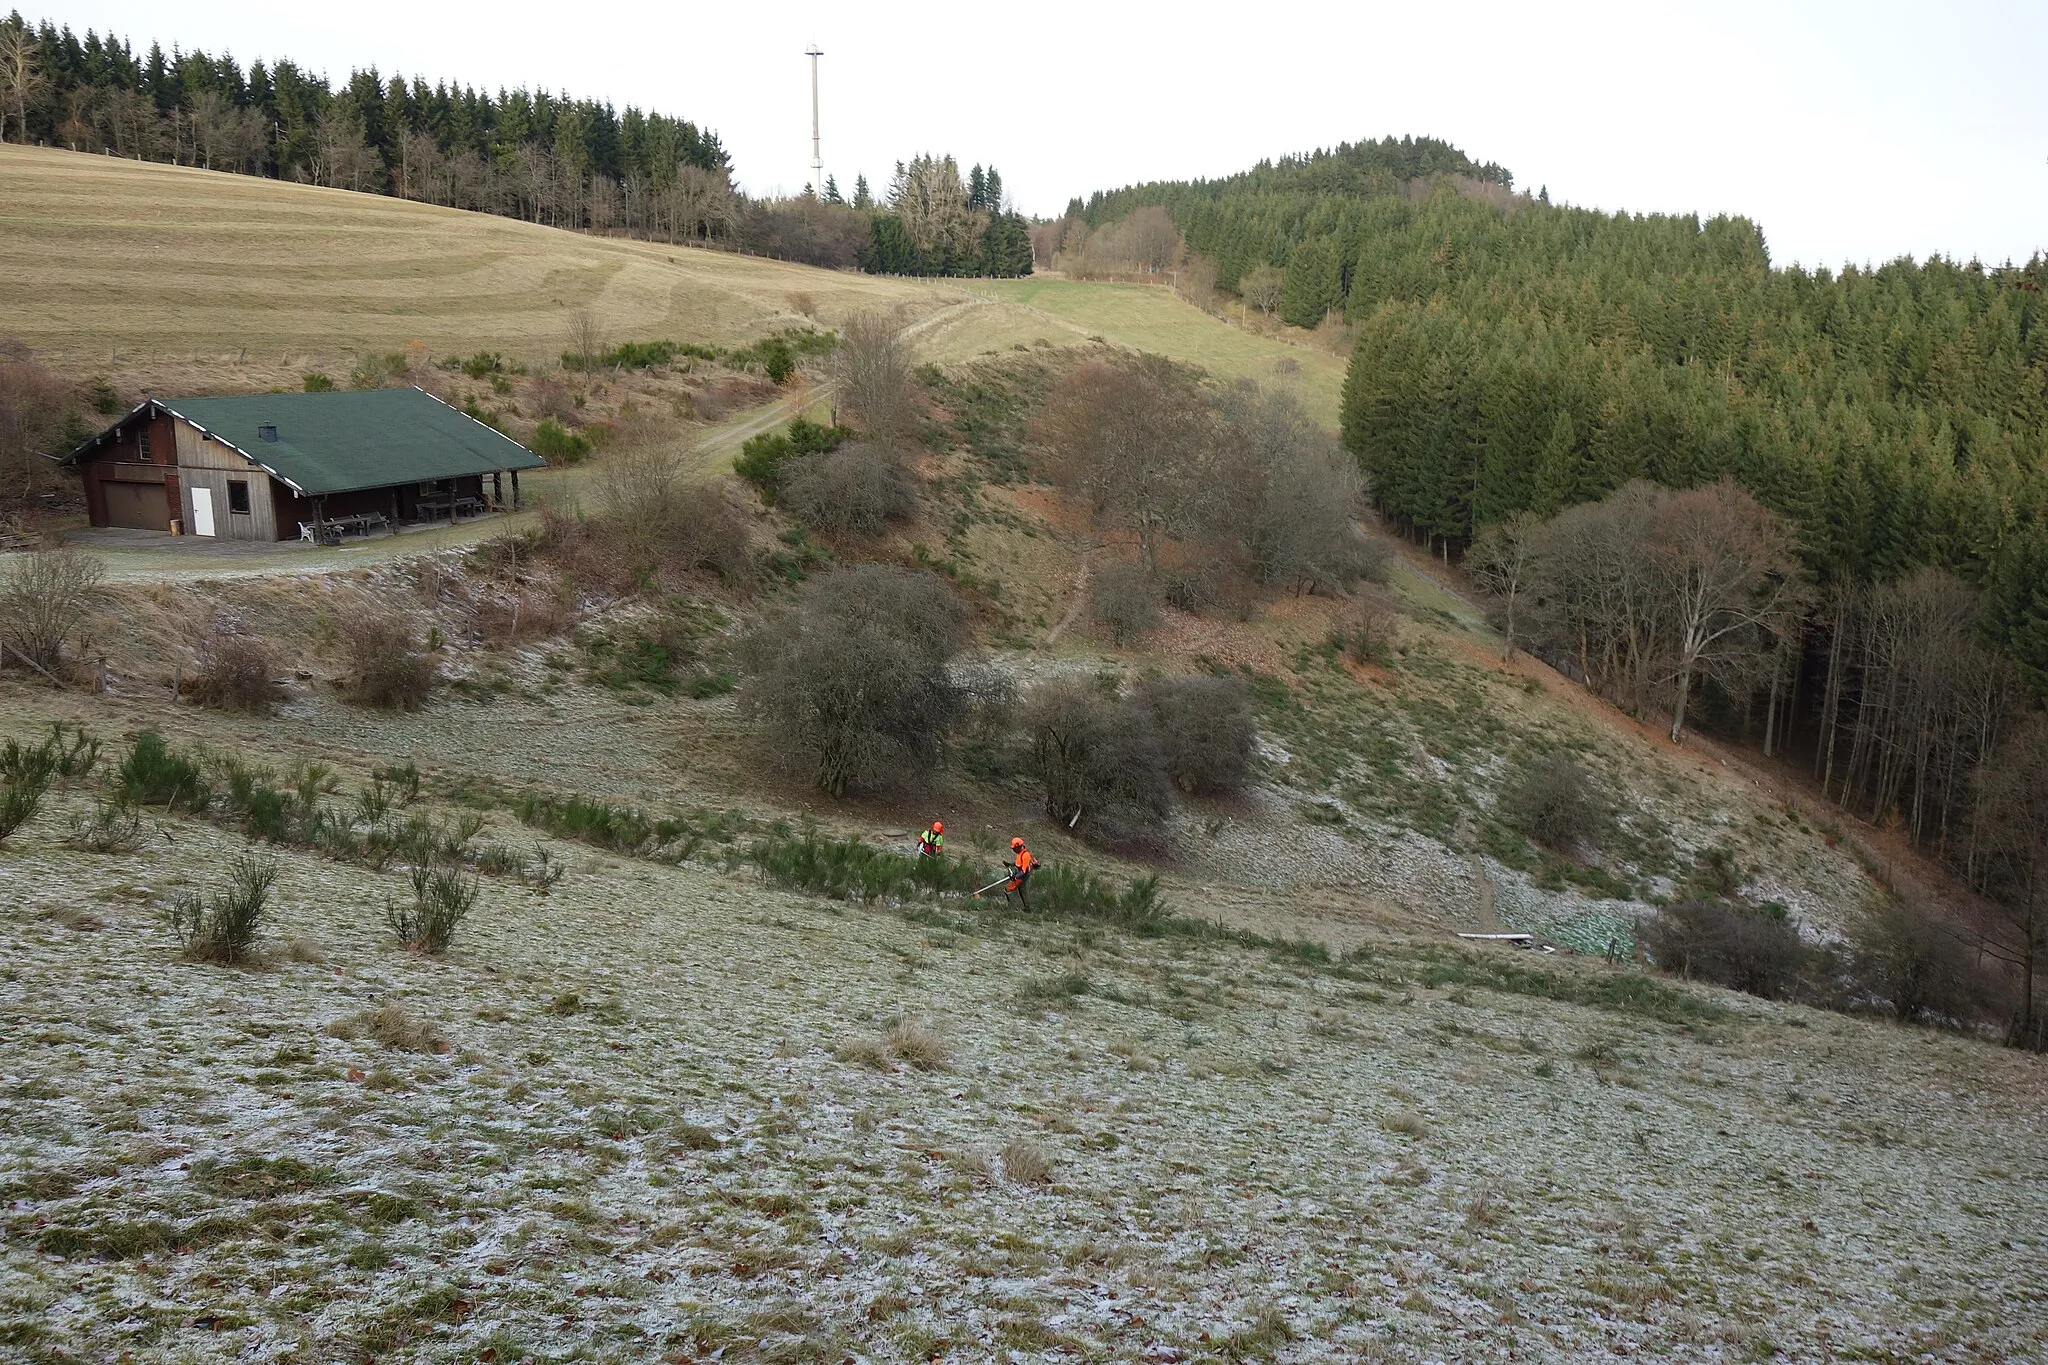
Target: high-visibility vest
pixel 929 842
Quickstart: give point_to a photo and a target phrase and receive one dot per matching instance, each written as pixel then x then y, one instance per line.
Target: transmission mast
pixel 817 160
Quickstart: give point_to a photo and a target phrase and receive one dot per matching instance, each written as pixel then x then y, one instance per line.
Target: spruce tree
pixel 832 191
pixel 862 199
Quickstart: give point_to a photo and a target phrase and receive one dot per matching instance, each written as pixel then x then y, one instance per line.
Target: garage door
pixel 140 505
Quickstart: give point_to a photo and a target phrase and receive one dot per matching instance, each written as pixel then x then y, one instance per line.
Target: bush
pixel 1124 600
pixel 317 383
pixel 762 458
pixel 28 773
pixel 1206 729
pixel 1374 629
pixel 1904 956
pixel 237 673
pixel 656 522
pixel 155 775
pixel 1097 760
pixel 553 441
pixel 441 899
pixel 223 927
pixel 1558 803
pixel 855 490
pixel 1755 951
pixel 387 668
pixel 853 689
pixel 47 597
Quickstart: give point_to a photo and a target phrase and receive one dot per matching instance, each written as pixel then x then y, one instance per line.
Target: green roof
pixel 339 442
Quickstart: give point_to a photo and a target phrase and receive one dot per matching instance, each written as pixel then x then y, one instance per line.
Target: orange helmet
pixel 1016 843
pixel 938 826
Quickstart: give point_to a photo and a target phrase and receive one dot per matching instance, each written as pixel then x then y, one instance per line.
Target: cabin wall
pixel 134 481
pixel 206 463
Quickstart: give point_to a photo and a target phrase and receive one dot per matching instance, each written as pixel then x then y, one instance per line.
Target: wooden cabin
pixel 289 466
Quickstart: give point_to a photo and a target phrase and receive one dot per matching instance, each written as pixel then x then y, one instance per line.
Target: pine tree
pixel 832 191
pixel 977 188
pixel 862 199
pixel 992 191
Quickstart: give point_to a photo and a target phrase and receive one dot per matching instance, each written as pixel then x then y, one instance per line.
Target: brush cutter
pixel 993 885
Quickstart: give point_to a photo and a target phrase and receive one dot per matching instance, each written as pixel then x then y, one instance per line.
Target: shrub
pixel 1904 956
pixel 1755 951
pixel 762 458
pixel 853 688
pixel 553 441
pixel 317 383
pixel 655 521
pixel 155 775
pixel 114 826
pixel 387 668
pixel 523 612
pixel 1097 760
pixel 1558 803
pixel 481 364
pixel 237 673
pixel 222 927
pixel 1374 629
pixel 1124 600
pixel 855 490
pixel 47 597
pixel 1206 729
pixel 27 773
pixel 441 899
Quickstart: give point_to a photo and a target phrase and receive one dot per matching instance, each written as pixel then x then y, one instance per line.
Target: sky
pixel 1850 132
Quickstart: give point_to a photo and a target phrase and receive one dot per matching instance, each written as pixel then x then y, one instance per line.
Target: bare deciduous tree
pixel 1286 494
pixel 47 598
pixel 2012 834
pixel 1727 574
pixel 1502 561
pixel 21 72
pixel 872 369
pixel 1261 288
pixel 1132 435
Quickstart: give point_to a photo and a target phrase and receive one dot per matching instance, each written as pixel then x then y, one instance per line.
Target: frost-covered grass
pixel 665 1110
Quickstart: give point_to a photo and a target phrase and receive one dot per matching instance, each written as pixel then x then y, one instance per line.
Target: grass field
pixel 100 256
pixel 1151 318
pixel 660 1114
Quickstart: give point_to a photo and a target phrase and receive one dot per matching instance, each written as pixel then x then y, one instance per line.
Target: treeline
pixel 526 154
pixel 569 163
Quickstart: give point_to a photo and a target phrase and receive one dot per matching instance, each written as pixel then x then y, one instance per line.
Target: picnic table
pixel 333 529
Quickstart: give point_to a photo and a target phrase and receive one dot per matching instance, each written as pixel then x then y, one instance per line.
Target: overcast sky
pixel 1849 131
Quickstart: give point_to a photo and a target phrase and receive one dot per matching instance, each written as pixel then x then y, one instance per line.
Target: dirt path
pixel 1073 608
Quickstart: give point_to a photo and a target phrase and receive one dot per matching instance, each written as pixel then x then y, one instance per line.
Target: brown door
pixel 139 505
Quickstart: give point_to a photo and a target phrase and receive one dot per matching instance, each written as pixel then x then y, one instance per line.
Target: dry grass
pixel 918 1045
pixel 392 1025
pixel 1407 1123
pixel 1025 1163
pixel 99 255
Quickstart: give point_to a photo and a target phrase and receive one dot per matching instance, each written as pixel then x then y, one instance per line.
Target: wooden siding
pixel 206 463
pixel 143 469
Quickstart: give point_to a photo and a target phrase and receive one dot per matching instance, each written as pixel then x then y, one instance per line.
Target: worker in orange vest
pixel 932 843
pixel 1020 865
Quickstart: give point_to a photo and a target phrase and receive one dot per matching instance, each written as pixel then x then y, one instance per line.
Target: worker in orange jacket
pixel 1021 863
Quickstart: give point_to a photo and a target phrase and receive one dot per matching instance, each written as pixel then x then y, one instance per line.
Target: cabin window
pixel 238 495
pixel 142 440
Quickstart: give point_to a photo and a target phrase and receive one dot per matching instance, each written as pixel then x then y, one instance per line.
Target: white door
pixel 202 511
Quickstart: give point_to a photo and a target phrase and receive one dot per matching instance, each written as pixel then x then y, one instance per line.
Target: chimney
pixel 268 432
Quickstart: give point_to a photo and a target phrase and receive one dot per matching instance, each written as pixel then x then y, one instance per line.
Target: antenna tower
pixel 817 161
